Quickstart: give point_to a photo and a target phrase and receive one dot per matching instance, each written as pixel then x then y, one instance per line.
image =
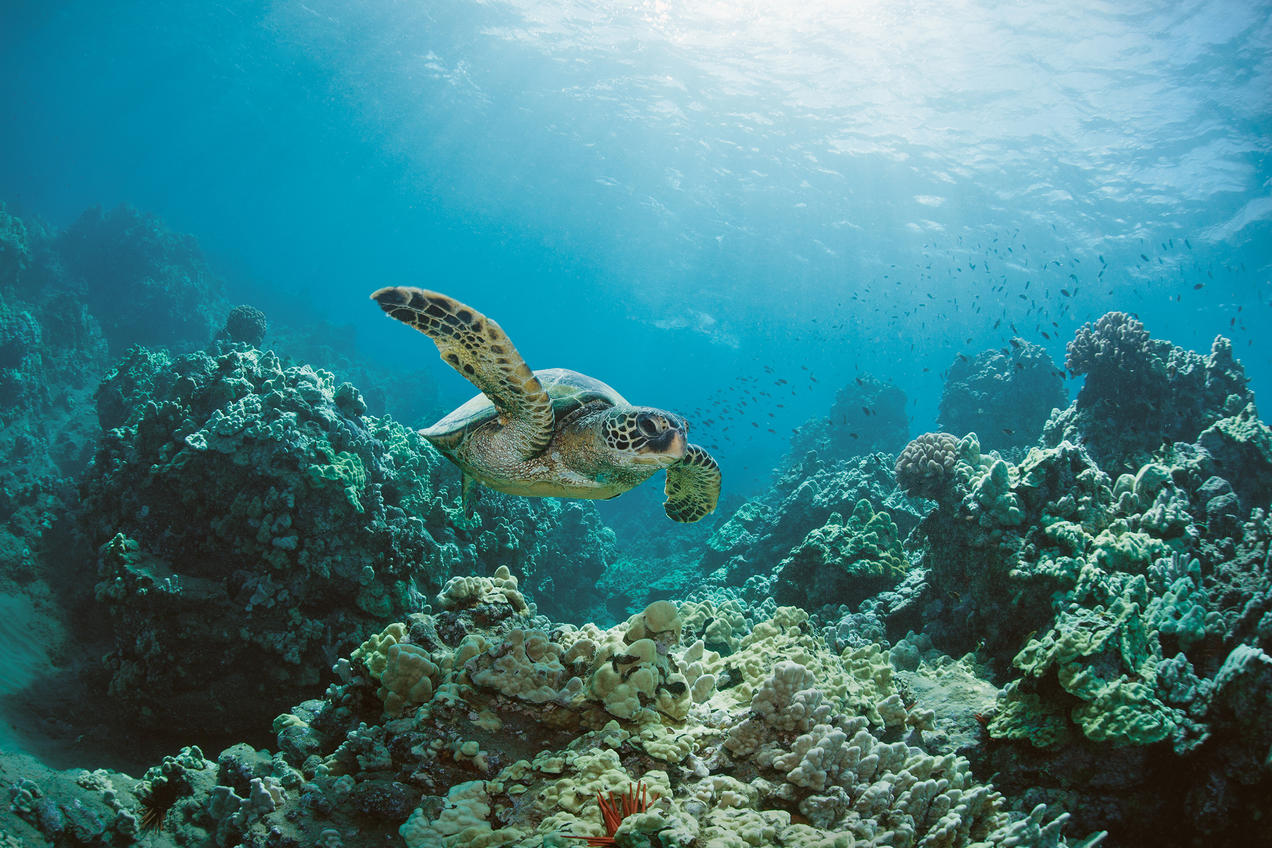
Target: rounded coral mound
pixel 925 467
pixel 244 325
pixel 1115 344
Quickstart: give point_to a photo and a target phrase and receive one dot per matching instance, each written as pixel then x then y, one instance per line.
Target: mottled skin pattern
pixel 693 486
pixel 555 432
pixel 478 348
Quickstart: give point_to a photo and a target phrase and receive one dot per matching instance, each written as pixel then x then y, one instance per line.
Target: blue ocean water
pixel 673 195
pixel 756 214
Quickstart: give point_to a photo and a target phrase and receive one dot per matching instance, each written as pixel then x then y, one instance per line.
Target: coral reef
pixel 1142 392
pixel 1005 396
pixel 868 415
pixel 1108 597
pixel 524 722
pixel 849 657
pixel 752 543
pixel 233 488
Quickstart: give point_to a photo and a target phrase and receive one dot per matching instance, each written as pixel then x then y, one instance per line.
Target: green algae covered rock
pixel 1025 716
pixel 1106 657
pixel 843 562
pixel 252 520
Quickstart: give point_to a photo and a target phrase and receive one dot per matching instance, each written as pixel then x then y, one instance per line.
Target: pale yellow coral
pixel 499 588
pixel 408 678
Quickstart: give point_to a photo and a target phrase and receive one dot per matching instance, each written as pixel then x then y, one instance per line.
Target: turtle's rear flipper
pixel 478 348
pixel 693 486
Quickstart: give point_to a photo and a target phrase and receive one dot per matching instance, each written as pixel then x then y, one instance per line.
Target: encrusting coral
pixel 531 734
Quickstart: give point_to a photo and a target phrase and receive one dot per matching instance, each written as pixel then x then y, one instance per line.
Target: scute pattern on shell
pixel 925 466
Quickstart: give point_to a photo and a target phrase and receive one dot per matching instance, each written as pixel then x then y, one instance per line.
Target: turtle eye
pixel 647 425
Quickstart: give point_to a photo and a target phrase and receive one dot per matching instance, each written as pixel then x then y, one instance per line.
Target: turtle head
pixel 645 436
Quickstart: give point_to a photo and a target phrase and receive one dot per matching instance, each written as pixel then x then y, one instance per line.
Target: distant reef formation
pixel 904 641
pixel 868 415
pixel 1005 395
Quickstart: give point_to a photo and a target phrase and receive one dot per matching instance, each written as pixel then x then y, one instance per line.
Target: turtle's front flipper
pixel 478 348
pixel 693 486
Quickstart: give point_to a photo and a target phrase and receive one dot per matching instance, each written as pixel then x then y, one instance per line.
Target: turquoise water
pixel 796 224
pixel 672 195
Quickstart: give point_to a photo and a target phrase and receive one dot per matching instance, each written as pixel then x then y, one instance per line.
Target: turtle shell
pixel 568 390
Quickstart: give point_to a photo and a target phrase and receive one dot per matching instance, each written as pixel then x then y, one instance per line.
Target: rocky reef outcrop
pixel 1140 393
pixel 1004 396
pixel 233 488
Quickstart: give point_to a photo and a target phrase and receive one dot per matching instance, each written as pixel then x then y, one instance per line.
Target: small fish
pixel 1199 286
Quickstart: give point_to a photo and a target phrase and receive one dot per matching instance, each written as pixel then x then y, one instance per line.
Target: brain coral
pixel 244 325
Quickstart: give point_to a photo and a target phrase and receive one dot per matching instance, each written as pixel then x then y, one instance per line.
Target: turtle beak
pixel 677 444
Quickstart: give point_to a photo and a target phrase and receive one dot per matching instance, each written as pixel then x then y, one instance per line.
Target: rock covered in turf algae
pixel 843 562
pixel 1004 395
pixel 1140 392
pixel 781 742
pixel 761 533
pixel 253 520
pixel 1097 573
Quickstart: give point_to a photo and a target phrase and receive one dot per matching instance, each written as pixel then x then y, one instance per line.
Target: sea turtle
pixel 555 432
